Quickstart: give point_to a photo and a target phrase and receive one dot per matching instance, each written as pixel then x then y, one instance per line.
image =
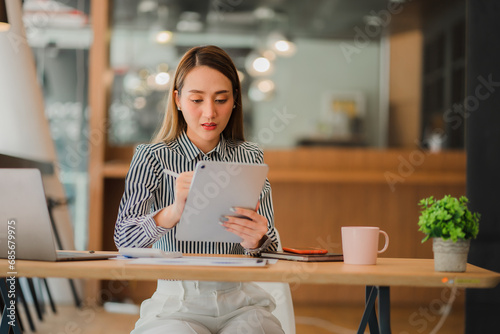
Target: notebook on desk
pixel 328 257
pixel 25 226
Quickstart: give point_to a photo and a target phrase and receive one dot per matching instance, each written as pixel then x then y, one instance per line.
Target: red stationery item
pixel 305 250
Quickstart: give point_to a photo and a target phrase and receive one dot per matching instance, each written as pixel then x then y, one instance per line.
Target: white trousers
pixel 208 308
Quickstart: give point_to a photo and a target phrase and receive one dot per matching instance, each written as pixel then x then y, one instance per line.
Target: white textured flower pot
pixel 449 255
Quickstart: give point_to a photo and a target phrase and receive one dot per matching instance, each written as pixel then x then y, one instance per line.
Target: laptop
pixel 25 226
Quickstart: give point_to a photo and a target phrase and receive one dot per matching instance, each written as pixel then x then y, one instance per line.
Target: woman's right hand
pixel 182 184
pixel 168 217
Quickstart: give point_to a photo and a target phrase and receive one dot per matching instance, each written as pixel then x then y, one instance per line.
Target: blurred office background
pixel 375 73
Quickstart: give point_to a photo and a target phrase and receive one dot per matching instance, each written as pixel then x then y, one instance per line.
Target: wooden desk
pixel 378 278
pixel 313 190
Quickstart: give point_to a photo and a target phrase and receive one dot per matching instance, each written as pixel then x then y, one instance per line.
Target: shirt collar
pixel 191 151
pixel 221 148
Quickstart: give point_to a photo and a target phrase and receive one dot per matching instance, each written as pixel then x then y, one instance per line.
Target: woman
pixel 203 121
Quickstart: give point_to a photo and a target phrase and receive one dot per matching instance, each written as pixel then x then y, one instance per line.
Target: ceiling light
pixel 159 81
pixel 258 65
pixel 162 78
pixel 261 64
pixel 261 90
pixel 280 45
pixel 265 86
pixel 164 37
pixel 285 48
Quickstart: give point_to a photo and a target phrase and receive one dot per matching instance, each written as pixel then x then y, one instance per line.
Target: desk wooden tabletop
pixel 387 272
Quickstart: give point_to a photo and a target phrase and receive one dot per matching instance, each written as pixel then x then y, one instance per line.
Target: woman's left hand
pixel 251 229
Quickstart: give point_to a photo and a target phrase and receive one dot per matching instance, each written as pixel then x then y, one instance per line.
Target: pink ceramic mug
pixel 360 244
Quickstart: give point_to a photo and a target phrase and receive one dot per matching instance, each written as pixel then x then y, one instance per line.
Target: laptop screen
pixel 25 227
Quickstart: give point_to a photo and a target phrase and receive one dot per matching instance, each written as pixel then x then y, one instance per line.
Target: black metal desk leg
pixel 34 296
pixel 25 305
pixel 51 204
pixel 371 296
pixel 372 320
pixel 78 302
pixel 384 309
pixel 6 322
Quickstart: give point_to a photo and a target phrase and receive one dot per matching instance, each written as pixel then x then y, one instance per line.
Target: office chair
pixel 284 303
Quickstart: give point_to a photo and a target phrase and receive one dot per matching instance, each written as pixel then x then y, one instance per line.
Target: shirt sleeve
pixel 135 226
pixel 266 209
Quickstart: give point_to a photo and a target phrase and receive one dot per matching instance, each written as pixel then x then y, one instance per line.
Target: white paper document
pixel 204 261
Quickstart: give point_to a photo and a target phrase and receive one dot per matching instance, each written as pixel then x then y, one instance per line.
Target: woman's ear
pixel 235 96
pixel 177 100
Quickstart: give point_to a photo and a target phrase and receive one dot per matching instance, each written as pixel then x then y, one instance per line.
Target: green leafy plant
pixel 447 218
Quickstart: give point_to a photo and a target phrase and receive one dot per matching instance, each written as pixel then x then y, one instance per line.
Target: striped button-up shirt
pixel 148 189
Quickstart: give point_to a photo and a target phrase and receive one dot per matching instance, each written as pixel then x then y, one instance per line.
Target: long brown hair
pixel 214 57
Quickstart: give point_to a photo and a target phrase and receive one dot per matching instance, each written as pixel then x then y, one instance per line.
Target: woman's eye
pixel 221 101
pixel 197 101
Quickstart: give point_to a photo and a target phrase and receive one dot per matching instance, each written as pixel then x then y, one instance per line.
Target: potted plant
pixel 451 225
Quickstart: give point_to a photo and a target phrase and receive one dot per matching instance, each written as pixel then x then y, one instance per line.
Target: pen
pixel 169 172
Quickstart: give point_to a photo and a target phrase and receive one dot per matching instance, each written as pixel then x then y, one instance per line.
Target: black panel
pixel 3 12
pixel 483 156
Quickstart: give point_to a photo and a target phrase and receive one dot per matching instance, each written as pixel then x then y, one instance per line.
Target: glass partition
pixel 327 72
pixel 312 72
